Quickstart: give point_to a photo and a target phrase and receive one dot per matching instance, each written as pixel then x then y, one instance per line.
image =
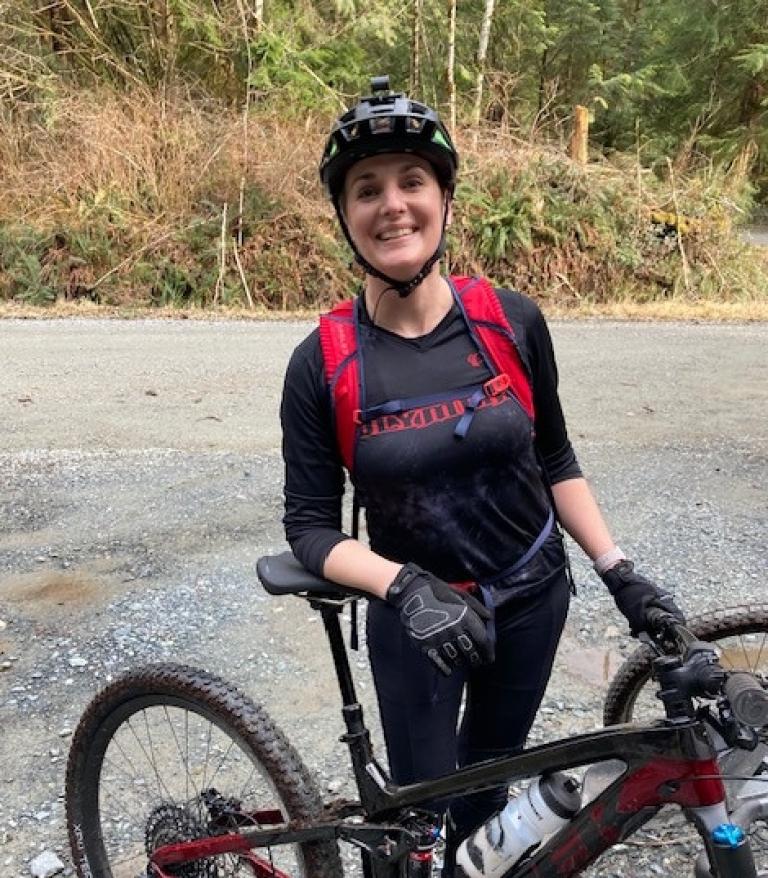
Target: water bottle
pixel 545 806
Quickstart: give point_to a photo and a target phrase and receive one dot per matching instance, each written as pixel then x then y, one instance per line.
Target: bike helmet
pixel 388 122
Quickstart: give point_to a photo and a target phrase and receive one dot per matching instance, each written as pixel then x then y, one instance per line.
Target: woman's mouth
pixel 394 234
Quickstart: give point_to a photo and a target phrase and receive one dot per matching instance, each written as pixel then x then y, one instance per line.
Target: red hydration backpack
pixel 487 323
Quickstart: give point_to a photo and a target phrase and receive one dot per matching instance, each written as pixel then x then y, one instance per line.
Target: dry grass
pixel 156 158
pixel 125 199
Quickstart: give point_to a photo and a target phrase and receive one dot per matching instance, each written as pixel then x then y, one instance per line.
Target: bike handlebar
pixel 743 691
pixel 748 699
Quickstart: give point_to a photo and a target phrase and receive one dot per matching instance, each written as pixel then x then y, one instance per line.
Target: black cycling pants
pixel 420 707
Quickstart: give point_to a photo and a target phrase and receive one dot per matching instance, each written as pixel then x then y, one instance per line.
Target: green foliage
pixel 24 274
pixel 754 59
pixel 692 75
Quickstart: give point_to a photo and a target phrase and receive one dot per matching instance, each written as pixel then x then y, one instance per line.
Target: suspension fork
pixel 728 852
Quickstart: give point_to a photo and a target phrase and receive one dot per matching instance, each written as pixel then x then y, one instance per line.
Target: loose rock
pixel 46 865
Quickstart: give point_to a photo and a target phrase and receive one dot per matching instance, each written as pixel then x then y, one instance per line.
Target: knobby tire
pixel 138 724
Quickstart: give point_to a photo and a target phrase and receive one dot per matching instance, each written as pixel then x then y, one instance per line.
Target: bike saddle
pixel 282 574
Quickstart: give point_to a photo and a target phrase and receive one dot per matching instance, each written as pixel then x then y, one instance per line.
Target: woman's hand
pixel 635 595
pixel 448 626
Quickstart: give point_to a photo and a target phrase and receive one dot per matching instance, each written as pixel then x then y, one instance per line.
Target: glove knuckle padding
pixel 465 642
pixel 448 626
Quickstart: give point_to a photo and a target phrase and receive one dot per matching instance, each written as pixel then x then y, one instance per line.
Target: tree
pixel 482 51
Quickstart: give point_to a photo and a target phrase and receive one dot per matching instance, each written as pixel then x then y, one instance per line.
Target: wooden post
pixel 578 146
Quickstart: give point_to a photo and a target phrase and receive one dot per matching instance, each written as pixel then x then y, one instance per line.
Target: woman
pixel 460 483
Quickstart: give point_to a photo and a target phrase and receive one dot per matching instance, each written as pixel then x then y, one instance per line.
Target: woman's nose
pixel 393 199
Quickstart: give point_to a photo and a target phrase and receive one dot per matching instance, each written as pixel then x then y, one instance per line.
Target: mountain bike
pixel 173 772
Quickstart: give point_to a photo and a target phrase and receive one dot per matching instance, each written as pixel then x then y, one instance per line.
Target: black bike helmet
pixel 388 122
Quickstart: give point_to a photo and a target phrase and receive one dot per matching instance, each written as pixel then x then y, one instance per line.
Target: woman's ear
pixel 448 209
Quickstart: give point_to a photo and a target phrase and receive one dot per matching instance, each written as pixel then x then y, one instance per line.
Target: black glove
pixel 447 625
pixel 635 595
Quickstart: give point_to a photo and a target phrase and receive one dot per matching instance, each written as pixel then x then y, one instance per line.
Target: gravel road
pixel 140 480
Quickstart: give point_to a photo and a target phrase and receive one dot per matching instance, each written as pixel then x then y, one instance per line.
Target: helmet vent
pixel 383 125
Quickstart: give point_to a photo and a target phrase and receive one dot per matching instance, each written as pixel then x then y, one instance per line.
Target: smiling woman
pixel 439 396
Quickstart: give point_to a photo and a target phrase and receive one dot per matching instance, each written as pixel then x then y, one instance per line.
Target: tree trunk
pixel 752 102
pixel 57 25
pixel 451 72
pixel 482 52
pixel 416 48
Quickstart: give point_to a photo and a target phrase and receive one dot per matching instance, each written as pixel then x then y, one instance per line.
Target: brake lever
pixel 669 635
pixel 648 640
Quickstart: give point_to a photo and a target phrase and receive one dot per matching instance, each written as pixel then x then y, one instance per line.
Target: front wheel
pixel 169 753
pixel 741 637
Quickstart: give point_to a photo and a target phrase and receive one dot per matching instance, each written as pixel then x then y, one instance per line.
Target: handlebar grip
pixel 749 701
pixel 659 619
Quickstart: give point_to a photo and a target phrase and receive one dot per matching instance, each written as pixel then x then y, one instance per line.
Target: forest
pixel 164 152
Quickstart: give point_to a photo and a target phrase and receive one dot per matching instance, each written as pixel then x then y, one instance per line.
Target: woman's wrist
pixel 603 563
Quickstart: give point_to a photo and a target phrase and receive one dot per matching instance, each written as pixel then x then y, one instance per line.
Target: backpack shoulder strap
pixel 494 335
pixel 338 343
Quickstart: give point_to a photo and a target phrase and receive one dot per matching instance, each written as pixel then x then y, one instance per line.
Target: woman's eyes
pixel 371 191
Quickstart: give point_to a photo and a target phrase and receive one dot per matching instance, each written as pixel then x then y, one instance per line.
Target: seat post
pixel 330 612
pixel 372 780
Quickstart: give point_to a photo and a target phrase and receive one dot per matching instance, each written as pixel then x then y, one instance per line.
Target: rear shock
pixel 420 860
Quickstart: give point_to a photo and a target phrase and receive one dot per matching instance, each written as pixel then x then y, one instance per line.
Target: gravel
pixel 130 524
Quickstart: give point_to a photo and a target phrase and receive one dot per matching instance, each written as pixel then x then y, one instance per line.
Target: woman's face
pixel 393 206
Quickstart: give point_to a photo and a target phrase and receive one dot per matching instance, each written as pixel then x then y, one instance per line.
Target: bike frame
pixel 669 763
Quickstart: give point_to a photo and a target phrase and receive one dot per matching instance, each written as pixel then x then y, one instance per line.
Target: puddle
pixel 48 591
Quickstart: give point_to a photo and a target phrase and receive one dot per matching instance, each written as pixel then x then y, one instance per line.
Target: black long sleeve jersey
pixel 463 508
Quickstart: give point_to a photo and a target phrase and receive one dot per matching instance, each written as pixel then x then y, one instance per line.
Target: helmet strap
pixel 403 287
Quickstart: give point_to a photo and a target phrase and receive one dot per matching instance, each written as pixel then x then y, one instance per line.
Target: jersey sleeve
pixel 555 449
pixel 314 477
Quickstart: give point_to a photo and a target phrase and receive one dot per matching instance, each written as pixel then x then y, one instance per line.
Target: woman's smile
pixel 394 234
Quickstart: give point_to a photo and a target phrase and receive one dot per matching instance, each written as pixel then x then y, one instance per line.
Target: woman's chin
pixel 398 269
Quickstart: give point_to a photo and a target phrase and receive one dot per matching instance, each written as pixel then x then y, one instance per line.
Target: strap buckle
pixel 497 385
